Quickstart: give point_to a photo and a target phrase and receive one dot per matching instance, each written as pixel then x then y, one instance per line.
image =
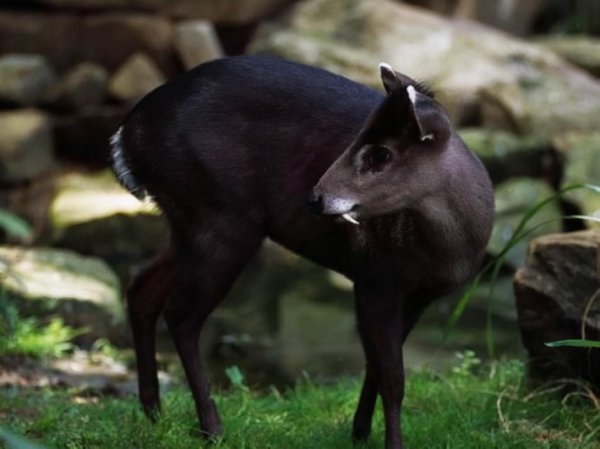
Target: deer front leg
pixel 380 326
pixel 361 428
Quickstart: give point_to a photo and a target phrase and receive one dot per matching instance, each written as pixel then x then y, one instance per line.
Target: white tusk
pixel 350 218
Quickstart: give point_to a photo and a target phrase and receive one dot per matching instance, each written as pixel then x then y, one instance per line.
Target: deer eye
pixel 376 157
pixel 380 155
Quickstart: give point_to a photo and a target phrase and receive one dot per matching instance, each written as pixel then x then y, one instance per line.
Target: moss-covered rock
pixel 582 166
pixel 580 50
pixel 515 198
pixel 508 155
pixel 84 291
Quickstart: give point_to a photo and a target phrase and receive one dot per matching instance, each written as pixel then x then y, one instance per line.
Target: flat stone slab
pixel 83 291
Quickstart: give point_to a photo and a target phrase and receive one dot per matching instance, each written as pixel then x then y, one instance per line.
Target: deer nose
pixel 315 202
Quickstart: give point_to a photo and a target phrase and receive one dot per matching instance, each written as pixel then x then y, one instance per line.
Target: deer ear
pixel 393 80
pixel 430 117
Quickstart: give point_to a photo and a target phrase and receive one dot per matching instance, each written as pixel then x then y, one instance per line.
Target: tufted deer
pixel 232 151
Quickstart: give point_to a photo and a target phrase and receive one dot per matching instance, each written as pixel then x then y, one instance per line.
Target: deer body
pixel 231 150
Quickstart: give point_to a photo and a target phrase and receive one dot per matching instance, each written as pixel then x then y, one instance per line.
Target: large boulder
pixel 25 80
pixel 558 299
pixel 106 39
pixel 483 75
pixel 83 291
pixel 26 147
pixel 94 215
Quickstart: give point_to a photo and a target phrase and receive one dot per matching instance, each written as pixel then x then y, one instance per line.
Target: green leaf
pixel 575 343
pixel 593 187
pixel 16 442
pixel 235 376
pixel 586 217
pixel 15 225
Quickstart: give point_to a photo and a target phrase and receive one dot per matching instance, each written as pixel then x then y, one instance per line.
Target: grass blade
pixel 575 343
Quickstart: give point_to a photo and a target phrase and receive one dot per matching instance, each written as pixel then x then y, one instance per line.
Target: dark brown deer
pixel 231 150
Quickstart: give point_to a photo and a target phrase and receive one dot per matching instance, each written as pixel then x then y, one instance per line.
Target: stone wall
pixel 81 64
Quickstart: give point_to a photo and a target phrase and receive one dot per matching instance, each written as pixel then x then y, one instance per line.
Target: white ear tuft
pixel 385 66
pixel 412 94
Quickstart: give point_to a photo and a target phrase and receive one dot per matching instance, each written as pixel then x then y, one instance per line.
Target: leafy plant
pixel 31 338
pixel 468 361
pixel 27 336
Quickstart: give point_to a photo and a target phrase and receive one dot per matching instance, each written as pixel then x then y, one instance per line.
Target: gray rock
pixel 514 198
pixel 25 79
pixel 508 155
pixel 106 39
pixel 82 290
pixel 135 78
pixel 513 83
pixel 196 42
pixel 84 85
pixel 26 147
pixel 582 51
pixel 582 166
pixel 557 299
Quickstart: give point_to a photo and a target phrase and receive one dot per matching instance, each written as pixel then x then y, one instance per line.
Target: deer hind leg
pixel 146 298
pixel 210 265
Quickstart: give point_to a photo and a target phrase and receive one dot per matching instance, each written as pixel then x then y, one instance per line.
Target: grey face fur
pixel 396 160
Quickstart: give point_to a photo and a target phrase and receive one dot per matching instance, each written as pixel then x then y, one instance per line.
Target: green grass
pixel 471 406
